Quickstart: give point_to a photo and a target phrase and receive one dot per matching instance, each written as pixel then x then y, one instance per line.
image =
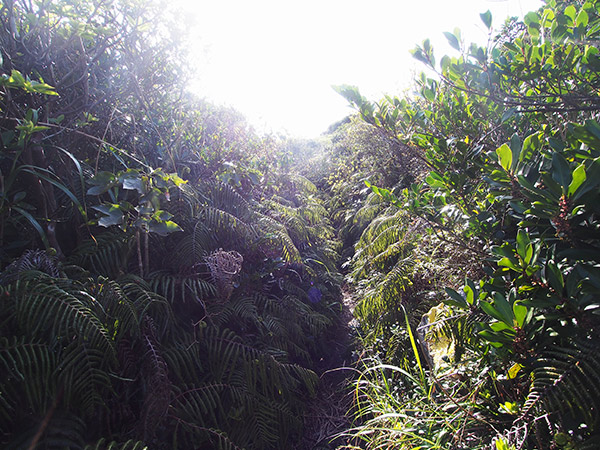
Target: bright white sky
pixel 276 60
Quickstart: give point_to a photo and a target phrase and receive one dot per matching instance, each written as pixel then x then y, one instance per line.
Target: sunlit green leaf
pixel 579 176
pixel 571 12
pixel 163 228
pixel 505 157
pixel 520 313
pixel 531 144
pixel 582 18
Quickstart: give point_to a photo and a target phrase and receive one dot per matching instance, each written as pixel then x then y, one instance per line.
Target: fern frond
pixel 83 374
pixel 114 308
pixel 147 302
pixel 292 219
pixel 228 228
pixel 275 234
pixel 59 431
pixel 303 184
pixel 566 382
pixel 25 377
pixel 383 294
pixel 158 386
pixel 103 444
pixel 203 241
pixel 181 287
pixel 107 254
pixel 184 359
pixel 262 371
pixel 31 260
pixel 59 308
pixel 202 404
pixel 193 434
pixel 224 196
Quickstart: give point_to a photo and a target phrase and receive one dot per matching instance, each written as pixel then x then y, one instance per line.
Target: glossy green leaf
pixel 504 308
pixel 164 228
pixel 493 337
pixel 524 247
pixel 162 215
pixel 469 294
pixel 501 326
pixel 112 214
pixel 579 176
pixel 102 178
pixel 531 144
pixel 508 114
pixel 505 157
pixel 531 18
pixel 561 171
pixel 582 18
pixel 555 277
pixel 455 298
pixel 520 314
pixel 571 12
pixel 511 263
pixel 428 94
pixel 493 311
pixel 592 179
pixel 133 183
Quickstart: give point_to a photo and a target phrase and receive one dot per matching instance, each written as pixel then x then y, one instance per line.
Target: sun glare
pixel 276 61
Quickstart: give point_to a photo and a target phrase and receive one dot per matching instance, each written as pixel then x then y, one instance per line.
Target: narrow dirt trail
pixel 327 416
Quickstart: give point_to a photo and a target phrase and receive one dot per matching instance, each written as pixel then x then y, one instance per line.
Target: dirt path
pixel 327 417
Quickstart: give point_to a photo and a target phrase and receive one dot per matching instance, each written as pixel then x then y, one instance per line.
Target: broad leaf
pixel 113 215
pixel 579 177
pixel 163 228
pixel 486 18
pixel 505 157
pixel 561 171
pixel 452 40
pixel 520 313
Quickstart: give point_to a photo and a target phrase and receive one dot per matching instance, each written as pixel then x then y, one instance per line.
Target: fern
pixel 181 288
pixel 103 444
pixel 26 370
pixel 203 404
pixel 50 430
pixel 147 302
pixel 228 226
pixel 157 395
pixel 184 358
pixel 276 236
pixel 566 383
pixel 106 254
pixel 115 309
pixel 223 196
pixel 60 308
pixel 30 260
pixel 83 374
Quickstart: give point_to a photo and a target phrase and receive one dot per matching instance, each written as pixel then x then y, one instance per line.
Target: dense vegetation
pixel 478 285
pixel 167 282
pixel 171 279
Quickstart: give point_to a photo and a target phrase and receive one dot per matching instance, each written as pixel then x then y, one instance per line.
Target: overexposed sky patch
pixel 276 60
